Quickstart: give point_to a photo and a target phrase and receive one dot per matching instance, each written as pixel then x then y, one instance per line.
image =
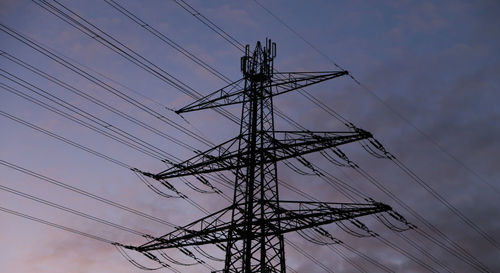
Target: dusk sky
pixel 426 86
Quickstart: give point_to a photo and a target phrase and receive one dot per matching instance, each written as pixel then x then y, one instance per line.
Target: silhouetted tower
pixel 252 228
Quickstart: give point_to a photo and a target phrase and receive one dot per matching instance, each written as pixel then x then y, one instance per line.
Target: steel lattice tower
pixel 252 228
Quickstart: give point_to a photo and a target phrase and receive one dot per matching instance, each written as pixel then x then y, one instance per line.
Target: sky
pixel 427 89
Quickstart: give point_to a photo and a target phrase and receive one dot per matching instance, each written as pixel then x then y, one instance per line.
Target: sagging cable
pixel 172 260
pixel 207 183
pixel 124 254
pixel 151 186
pixel 295 168
pixel 206 255
pixel 359 225
pixel 391 225
pixel 331 159
pixel 195 188
pixel 190 254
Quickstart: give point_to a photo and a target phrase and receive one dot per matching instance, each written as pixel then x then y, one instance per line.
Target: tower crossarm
pixel 300 215
pixel 285 145
pixel 281 83
pixel 214 228
pixel 207 230
pixel 289 144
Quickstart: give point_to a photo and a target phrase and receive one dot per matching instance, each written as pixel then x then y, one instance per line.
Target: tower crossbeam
pixel 281 83
pixel 214 229
pixel 290 144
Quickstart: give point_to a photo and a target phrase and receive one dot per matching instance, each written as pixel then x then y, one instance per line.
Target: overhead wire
pixel 309 256
pixel 446 203
pixel 321 105
pixel 125 138
pixel 65 208
pixel 176 46
pixel 230 39
pixel 94 100
pixel 12 90
pixel 226 78
pixel 78 111
pixel 94 32
pixel 72 230
pixel 72 211
pixel 85 193
pixel 63 139
pixel 72 118
pixel 465 256
pixel 38 47
pixel 151 152
pixel 415 177
pixel 75 231
pixel 239 46
pixel 33 69
pixel 437 145
pixel 385 104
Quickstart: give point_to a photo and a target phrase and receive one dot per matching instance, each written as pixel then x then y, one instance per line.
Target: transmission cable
pixel 85 193
pixel 72 211
pixel 453 209
pixel 200 17
pixel 61 138
pixel 94 100
pixel 385 104
pixel 307 95
pixel 131 141
pixel 465 257
pixel 100 36
pixel 83 148
pixel 446 203
pixel 95 237
pixel 183 50
pixel 72 118
pixel 210 24
pixel 38 47
pixel 411 174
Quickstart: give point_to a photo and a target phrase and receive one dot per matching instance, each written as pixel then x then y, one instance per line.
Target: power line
pixel 446 203
pixel 323 106
pixel 176 46
pixel 130 142
pixel 230 39
pixel 72 211
pixel 38 47
pixel 85 193
pixel 385 104
pixel 239 46
pixel 465 256
pixel 72 230
pixel 63 139
pixel 94 100
pixel 108 41
pixel 466 220
pixel 81 214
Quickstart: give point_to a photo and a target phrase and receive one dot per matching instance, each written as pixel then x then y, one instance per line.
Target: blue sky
pixel 433 64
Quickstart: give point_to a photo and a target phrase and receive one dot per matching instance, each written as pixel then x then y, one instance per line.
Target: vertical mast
pixel 257 182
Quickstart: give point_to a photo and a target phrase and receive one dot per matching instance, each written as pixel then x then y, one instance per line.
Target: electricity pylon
pixel 252 227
